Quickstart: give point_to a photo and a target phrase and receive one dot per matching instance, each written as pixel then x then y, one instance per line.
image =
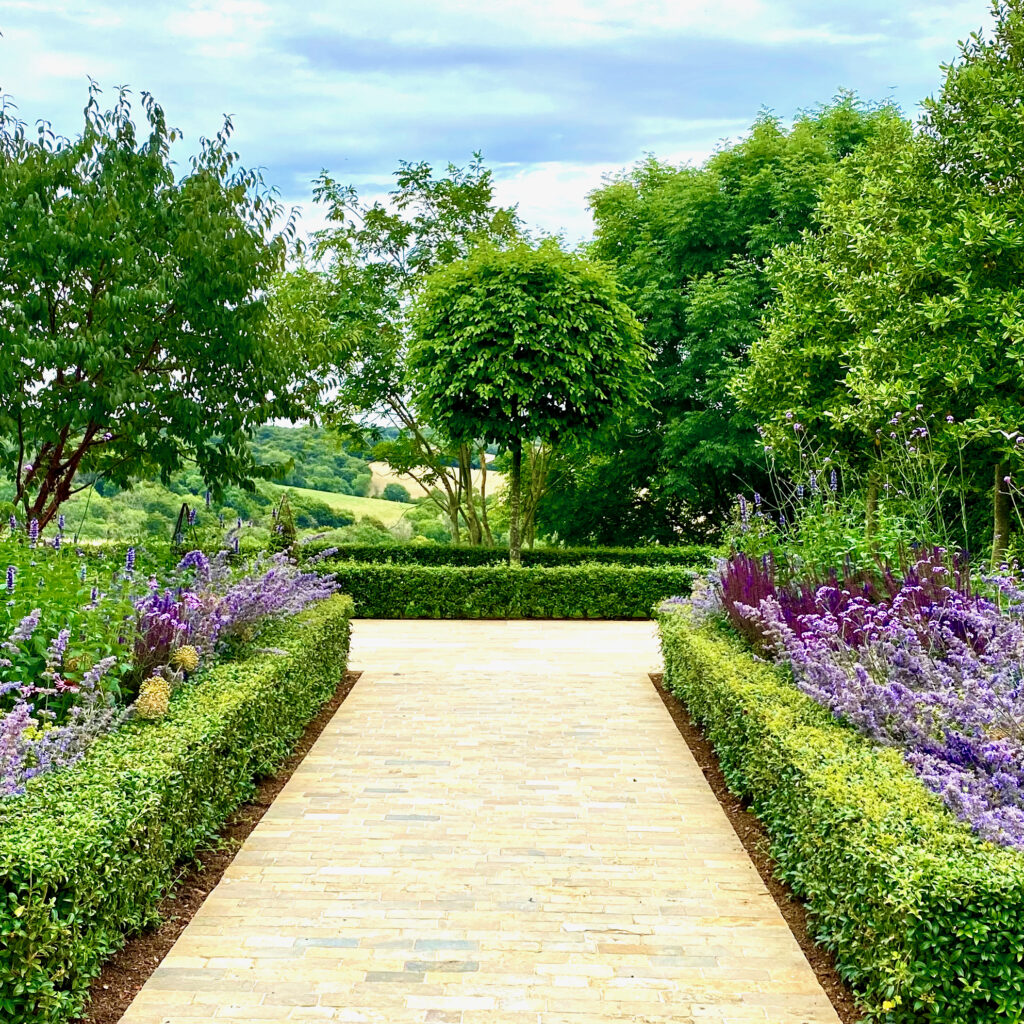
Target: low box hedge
pixel 87 853
pixel 500 592
pixel 926 920
pixel 693 556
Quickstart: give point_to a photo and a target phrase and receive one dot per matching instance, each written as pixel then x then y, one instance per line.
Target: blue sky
pixel 556 93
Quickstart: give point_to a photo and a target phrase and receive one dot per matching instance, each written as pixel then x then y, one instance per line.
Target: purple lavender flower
pixel 11 574
pixel 196 561
pixel 58 647
pixel 922 662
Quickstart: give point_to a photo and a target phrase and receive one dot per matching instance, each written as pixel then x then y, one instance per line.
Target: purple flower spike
pixel 13 522
pixel 129 561
pixel 33 533
pixel 11 573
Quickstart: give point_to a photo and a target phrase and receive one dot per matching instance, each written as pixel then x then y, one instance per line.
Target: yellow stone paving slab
pixel 500 824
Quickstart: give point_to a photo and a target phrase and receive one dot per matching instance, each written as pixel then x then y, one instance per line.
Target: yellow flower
pixel 154 698
pixel 186 658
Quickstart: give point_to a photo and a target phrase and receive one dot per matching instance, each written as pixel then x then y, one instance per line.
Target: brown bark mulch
pixel 127 971
pixel 755 840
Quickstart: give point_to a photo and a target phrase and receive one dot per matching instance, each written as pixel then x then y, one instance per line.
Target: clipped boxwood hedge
pixel 925 919
pixel 499 592
pixel 441 554
pixel 87 853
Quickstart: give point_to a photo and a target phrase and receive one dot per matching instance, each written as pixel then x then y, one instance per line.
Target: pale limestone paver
pixel 501 824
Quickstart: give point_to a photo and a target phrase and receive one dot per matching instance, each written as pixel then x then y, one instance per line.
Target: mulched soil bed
pixel 755 840
pixel 127 971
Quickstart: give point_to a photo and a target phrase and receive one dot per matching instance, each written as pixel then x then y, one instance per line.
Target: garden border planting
pixel 926 920
pixel 695 556
pixel 500 592
pixel 86 855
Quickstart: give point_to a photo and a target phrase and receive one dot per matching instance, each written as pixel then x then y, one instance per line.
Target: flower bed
pixel 84 644
pixel 86 853
pixel 925 918
pixel 500 592
pixel 920 661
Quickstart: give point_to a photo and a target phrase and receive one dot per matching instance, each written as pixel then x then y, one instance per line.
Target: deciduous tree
pixel 133 328
pixel 524 344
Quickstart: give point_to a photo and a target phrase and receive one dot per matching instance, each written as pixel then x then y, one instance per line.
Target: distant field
pixel 388 512
pixel 383 475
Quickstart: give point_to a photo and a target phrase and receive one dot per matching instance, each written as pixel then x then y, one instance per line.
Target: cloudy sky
pixel 555 93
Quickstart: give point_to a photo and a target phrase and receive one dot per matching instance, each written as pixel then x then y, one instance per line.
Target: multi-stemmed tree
pixel 133 326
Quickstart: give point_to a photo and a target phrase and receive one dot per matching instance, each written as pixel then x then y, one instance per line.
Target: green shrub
pixel 499 592
pixel 420 554
pixel 87 853
pixel 926 920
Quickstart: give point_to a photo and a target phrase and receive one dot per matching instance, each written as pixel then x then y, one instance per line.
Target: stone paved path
pixel 501 824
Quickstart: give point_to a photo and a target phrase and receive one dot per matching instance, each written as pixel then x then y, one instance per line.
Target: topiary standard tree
pixel 524 344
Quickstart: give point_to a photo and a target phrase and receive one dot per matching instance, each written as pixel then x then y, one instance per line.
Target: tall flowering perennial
pixel 921 662
pixel 56 699
pixel 163 623
pixel 32 739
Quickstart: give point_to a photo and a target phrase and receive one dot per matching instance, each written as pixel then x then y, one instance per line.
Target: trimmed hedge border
pixel 500 592
pixel 693 556
pixel 86 855
pixel 925 919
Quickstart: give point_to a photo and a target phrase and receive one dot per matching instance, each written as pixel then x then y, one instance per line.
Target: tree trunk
pixel 473 525
pixel 516 483
pixel 488 536
pixel 1000 516
pixel 871 508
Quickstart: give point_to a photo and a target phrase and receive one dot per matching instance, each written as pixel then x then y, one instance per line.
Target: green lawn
pixel 388 512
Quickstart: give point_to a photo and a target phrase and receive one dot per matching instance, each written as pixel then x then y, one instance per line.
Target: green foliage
pixel 375 257
pixel 87 853
pixel 925 920
pixel 436 554
pixel 133 320
pixel 587 591
pixel 396 492
pixel 524 344
pixel 909 292
pixel 311 457
pixel 690 244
